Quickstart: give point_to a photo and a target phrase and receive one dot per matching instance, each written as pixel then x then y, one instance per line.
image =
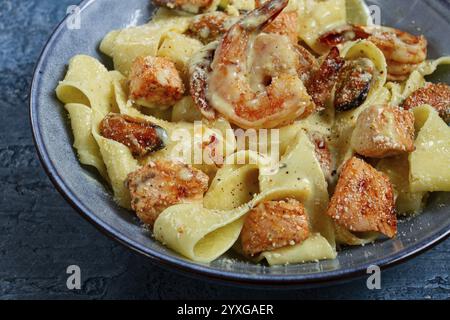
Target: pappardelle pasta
pixel 280 129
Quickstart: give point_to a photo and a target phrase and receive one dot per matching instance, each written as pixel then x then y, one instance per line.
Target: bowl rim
pixel 180 264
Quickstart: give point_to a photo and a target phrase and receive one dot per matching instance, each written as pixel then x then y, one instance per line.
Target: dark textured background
pixel 40 235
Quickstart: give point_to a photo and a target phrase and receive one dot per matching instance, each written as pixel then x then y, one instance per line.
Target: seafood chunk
pixel 162 184
pixel 383 131
pixel 436 95
pixel 154 81
pixel 363 200
pixel 211 26
pixel 323 80
pixel 286 23
pixel 248 92
pixel 274 224
pixel 353 84
pixel 403 51
pixel 140 136
pixel 192 6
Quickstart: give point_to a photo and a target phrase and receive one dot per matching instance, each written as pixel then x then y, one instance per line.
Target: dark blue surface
pixel 41 235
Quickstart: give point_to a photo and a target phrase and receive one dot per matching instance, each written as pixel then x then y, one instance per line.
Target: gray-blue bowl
pixel 85 191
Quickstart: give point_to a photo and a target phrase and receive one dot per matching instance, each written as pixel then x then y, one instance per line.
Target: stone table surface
pixel 41 235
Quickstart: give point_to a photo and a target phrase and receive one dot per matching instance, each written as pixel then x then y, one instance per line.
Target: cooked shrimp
pixel 398 71
pixel 403 51
pixel 154 81
pixel 164 183
pixel 321 83
pixel 286 23
pixel 383 131
pixel 211 26
pixel 436 95
pixel 140 136
pixel 363 200
pixel 192 6
pixel 248 93
pixel 353 84
pixel 274 224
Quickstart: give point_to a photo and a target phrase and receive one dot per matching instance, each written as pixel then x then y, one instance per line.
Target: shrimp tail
pixel 263 16
pixel 233 45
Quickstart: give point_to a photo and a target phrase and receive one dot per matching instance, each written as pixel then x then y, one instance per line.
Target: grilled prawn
pixel 254 81
pixel 403 51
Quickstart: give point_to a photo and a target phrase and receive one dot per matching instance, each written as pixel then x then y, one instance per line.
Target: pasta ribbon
pixel 235 184
pixel 430 162
pixel 314 248
pixel 429 67
pixel 87 79
pixel 86 86
pixel 318 17
pixel 406 201
pixel 84 142
pixel 124 46
pixel 358 12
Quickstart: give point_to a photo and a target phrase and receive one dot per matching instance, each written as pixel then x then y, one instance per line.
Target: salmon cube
pixel 274 224
pixel 162 184
pixel 363 200
pixel 155 82
pixel 383 131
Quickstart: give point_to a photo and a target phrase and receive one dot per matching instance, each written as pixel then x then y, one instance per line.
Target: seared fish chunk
pixel 363 200
pixel 209 26
pixel 140 136
pixel 155 82
pixel 383 131
pixel 274 224
pixel 164 183
pixel 436 95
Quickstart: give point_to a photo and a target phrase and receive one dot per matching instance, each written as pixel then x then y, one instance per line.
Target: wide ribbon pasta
pixel 124 46
pixel 89 80
pixel 316 18
pixel 88 151
pixel 430 162
pixel 397 169
pixel 82 88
